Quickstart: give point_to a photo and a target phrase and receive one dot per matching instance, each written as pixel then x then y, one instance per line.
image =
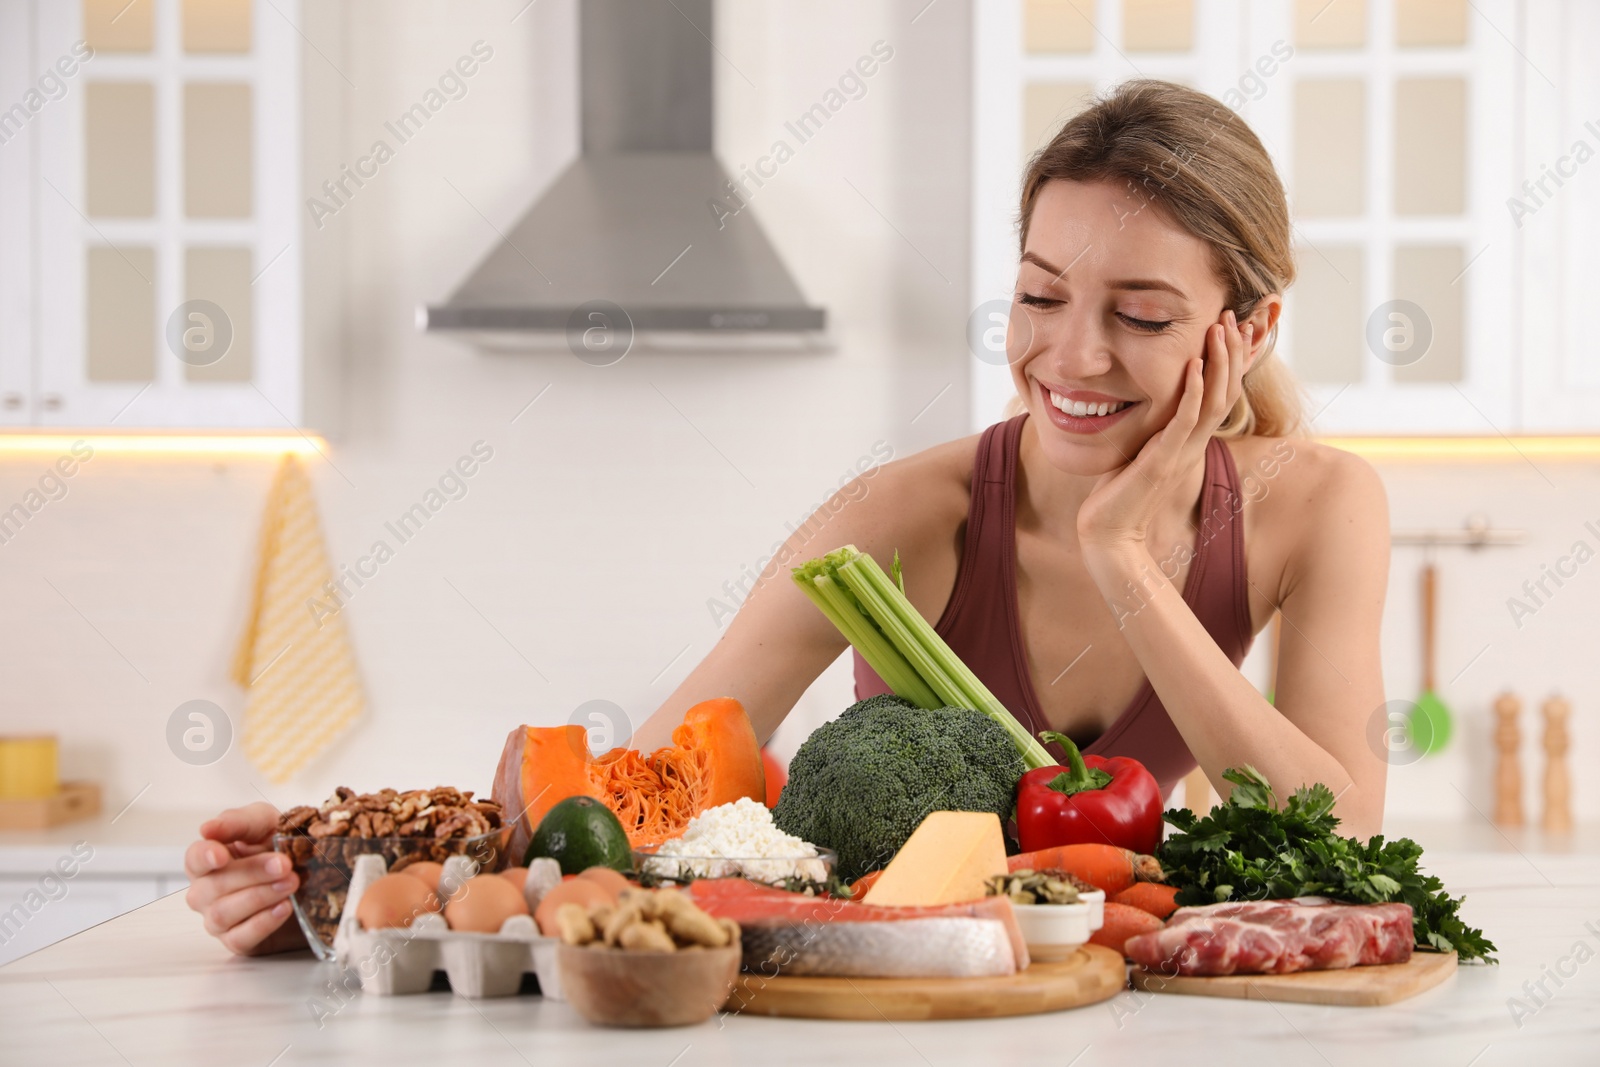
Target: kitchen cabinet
pixel 154 252
pixel 64 879
pixel 85 902
pixel 1435 157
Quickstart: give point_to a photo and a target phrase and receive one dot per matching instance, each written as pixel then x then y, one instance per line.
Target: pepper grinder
pixel 1557 780
pixel 1508 768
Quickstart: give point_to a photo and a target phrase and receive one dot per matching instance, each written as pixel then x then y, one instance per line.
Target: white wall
pixel 604 523
pixel 1482 652
pixel 1551 652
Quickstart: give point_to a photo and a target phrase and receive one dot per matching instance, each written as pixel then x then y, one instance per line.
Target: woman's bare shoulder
pixel 1311 511
pixel 943 466
pixel 1308 489
pixel 923 495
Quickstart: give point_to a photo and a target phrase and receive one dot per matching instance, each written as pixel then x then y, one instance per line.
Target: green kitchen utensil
pixel 1430 726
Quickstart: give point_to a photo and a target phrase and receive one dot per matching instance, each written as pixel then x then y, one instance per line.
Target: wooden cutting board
pixel 1093 974
pixel 1356 986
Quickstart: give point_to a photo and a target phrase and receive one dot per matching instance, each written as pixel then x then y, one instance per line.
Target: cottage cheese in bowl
pixel 736 840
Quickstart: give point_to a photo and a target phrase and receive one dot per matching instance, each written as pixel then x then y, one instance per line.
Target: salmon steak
pixel 793 934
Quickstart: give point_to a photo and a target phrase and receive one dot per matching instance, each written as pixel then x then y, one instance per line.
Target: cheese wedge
pixel 946 861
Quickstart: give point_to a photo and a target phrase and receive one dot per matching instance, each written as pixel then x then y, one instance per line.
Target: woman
pixel 1103 559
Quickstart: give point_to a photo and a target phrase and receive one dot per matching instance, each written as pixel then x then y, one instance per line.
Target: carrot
pixel 1102 866
pixel 1159 900
pixel 1122 922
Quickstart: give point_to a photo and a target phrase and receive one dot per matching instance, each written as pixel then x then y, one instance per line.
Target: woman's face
pixel 1112 301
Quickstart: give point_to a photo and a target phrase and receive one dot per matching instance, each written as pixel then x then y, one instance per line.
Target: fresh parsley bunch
pixel 1247 849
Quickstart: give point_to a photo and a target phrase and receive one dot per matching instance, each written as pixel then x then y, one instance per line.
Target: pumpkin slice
pixel 713 759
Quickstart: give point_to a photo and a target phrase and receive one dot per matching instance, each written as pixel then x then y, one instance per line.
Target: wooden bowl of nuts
pixel 652 959
pixel 420 825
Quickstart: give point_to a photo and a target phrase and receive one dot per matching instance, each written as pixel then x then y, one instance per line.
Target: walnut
pixel 441 813
pixel 451 824
pixel 324 842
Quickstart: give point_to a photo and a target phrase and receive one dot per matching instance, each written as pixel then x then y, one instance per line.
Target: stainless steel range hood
pixel 645 218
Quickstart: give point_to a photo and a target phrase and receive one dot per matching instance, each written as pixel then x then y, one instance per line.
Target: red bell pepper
pixel 1093 800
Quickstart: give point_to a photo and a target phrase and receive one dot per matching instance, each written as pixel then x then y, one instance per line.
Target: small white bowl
pixel 1096 899
pixel 1054 931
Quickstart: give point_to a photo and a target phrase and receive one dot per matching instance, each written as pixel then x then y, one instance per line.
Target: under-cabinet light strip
pixel 1470 449
pixel 163 444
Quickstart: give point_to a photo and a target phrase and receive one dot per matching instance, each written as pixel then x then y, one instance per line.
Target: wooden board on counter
pixel 1093 974
pixel 73 801
pixel 1353 986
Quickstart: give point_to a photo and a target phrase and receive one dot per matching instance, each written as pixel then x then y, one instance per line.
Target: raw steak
pixel 1275 937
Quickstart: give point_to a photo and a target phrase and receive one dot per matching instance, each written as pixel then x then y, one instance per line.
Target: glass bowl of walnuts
pixel 418 826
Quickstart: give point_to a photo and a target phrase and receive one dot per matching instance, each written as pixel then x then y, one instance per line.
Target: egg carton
pixel 404 960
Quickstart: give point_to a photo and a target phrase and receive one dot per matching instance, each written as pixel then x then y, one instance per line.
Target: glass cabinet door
pixel 16 213
pixel 166 197
pixel 1436 294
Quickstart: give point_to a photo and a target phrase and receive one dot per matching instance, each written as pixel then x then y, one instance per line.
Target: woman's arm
pixel 779 642
pixel 1329 680
pixel 1331 597
pixel 775 646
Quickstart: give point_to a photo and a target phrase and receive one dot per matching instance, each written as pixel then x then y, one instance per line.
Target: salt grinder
pixel 1508 768
pixel 1557 779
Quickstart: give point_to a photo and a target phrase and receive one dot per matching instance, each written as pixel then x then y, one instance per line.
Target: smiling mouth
pixel 1084 410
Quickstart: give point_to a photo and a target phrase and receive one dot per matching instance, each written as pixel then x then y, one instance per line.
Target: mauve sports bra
pixel 982 625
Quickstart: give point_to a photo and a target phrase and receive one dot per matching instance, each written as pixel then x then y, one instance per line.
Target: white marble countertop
pixel 152 988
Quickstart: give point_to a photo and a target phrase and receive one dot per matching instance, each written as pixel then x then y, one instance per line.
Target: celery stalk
pixel 907 642
pixel 966 690
pixel 879 652
pixel 842 610
pixel 870 609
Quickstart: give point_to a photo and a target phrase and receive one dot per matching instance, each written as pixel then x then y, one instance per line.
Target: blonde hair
pixel 1203 167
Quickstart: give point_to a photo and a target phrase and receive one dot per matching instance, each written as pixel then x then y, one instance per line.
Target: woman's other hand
pixel 240 886
pixel 1119 510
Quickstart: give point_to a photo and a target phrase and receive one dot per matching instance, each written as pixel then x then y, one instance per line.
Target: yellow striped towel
pixel 304 690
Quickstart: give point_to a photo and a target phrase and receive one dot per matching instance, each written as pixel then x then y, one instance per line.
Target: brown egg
pixel 426 870
pixel 517 876
pixel 577 890
pixel 394 900
pixel 611 881
pixel 483 903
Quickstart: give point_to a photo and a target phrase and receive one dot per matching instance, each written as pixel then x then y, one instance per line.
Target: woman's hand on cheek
pixel 1117 514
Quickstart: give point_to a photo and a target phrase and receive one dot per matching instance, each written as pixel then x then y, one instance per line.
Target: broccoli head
pixel 863 782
